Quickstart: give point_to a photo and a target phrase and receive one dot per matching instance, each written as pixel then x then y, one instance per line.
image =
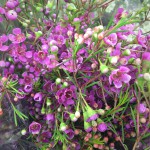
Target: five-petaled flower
pixel 118 76
pixel 17 36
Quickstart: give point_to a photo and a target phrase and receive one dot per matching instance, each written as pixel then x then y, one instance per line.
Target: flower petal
pixel 4 48
pixel 126 78
pixel 17 31
pixel 11 37
pixel 118 84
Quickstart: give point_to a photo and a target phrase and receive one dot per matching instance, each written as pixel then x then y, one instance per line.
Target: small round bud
pixel 86 36
pixel 137 61
pixel 80 40
pixel 101 35
pixel 109 50
pixel 31 13
pixel 16 99
pixel 4 79
pixel 93 66
pixel 113 59
pixel 59 109
pixel 101 111
pixel 94 123
pixel 104 68
pixel 69 33
pixel 24 24
pixel 77 114
pixel 133 134
pixel 143 120
pixel 23 132
pixel 105 139
pixel 58 81
pixel 65 84
pixel 43 111
pixel 127 52
pixel 146 76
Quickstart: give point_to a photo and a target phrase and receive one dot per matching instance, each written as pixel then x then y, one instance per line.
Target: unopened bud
pixel 146 76
pixel 104 68
pixel 127 52
pixel 58 81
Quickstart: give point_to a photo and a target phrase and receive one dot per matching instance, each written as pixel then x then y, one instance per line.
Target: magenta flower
pixel 17 36
pixel 3 39
pixel 11 15
pixel 146 56
pixel 119 75
pixel 102 127
pixel 34 127
pixel 70 133
pixel 38 96
pixel 141 39
pixel 111 39
pixel 141 108
pixel 120 14
pixel 27 79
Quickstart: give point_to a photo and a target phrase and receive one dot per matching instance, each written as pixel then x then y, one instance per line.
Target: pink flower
pixel 17 36
pixel 111 39
pixel 119 75
pixel 120 14
pixel 11 15
pixel 3 39
pixel 141 39
pixel 34 128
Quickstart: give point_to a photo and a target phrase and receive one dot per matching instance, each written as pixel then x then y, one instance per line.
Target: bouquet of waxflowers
pixel 68 82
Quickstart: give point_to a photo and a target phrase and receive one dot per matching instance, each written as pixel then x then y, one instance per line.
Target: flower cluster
pixel 85 87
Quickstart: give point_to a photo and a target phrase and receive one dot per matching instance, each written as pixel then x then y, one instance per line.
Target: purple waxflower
pixel 10 4
pixel 111 39
pixel 3 39
pixel 17 36
pixel 28 88
pixel 38 96
pixel 141 108
pixel 128 31
pixel 141 39
pixel 146 56
pixel 45 137
pixel 70 133
pixel 27 79
pixel 11 15
pixel 120 14
pixel 102 127
pixel 41 57
pixel 119 75
pixel 34 127
pixel 50 117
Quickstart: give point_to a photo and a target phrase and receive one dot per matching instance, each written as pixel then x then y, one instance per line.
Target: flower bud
pixel 86 36
pixel 71 7
pixel 69 33
pixel 77 114
pixel 48 102
pixel 23 132
pixel 113 59
pixel 93 66
pixel 49 4
pixel 137 61
pixel 143 120
pixel 104 68
pixel 63 126
pixel 101 35
pixel 146 76
pixel 38 34
pixel 127 52
pixel 39 8
pixel 43 111
pixel 58 81
pixel 24 24
pixel 101 111
pixel 59 109
pixel 80 40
